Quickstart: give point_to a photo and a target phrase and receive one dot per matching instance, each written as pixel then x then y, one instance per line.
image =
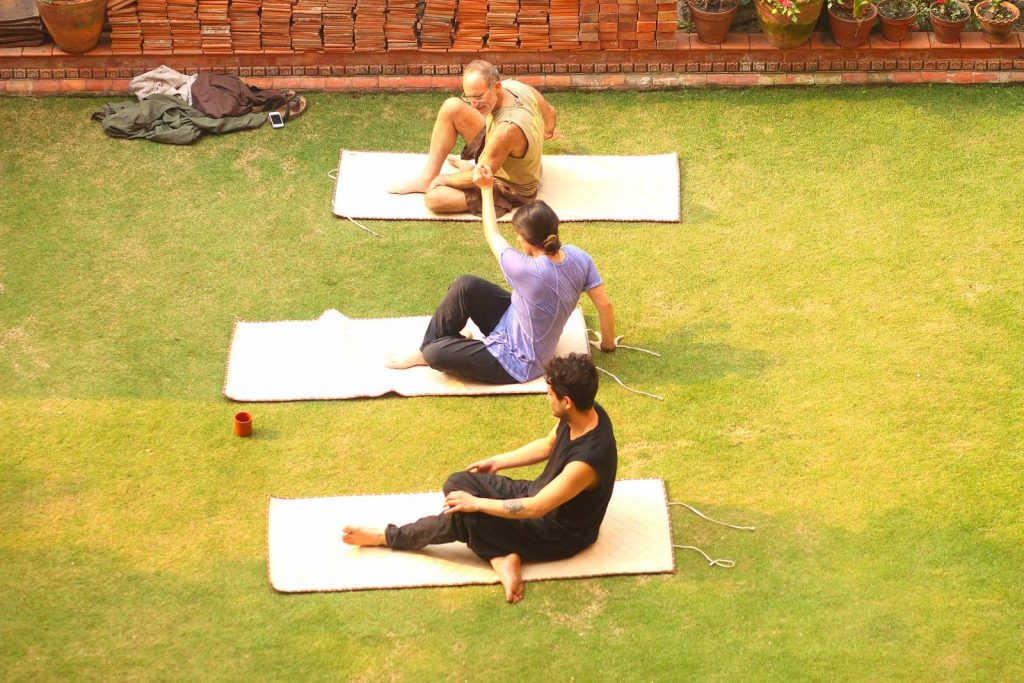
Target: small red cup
pixel 243 424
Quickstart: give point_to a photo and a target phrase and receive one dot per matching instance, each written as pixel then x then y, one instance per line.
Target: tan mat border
pixel 306 554
pixel 335 357
pixel 578 188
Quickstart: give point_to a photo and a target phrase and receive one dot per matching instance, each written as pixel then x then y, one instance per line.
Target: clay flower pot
pixel 996 30
pixel 712 25
pixel 781 31
pixel 895 29
pixel 243 424
pixel 74 24
pixel 852 32
pixel 946 30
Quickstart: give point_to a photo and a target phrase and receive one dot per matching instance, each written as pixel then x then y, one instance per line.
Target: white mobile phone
pixel 276 120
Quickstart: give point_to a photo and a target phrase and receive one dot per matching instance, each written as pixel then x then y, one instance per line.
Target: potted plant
pixel 788 23
pixel 948 19
pixel 74 24
pixel 996 19
pixel 712 18
pixel 851 21
pixel 896 17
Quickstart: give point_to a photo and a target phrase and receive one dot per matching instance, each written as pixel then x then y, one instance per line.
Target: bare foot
pixel 414 186
pixel 401 362
pixel 510 573
pixel 460 163
pixel 357 535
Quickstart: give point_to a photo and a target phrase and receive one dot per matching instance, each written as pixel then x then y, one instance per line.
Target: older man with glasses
pixel 504 124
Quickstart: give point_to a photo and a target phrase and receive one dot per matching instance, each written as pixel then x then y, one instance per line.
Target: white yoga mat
pixel 306 553
pixel 334 357
pixel 578 188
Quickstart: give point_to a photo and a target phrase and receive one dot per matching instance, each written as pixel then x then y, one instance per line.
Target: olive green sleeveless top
pixel 521 173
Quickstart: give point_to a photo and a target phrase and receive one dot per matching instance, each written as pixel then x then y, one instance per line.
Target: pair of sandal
pixel 294 105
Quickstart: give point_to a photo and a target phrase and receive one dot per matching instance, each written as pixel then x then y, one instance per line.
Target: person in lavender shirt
pixel 521 328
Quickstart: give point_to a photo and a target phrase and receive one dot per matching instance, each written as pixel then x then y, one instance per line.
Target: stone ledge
pixel 553 82
pixel 748 61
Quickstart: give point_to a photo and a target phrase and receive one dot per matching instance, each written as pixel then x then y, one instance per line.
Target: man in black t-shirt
pixel 506 521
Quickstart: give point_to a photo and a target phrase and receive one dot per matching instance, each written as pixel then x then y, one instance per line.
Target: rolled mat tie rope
pixel 725 564
pixel 332 176
pixel 627 388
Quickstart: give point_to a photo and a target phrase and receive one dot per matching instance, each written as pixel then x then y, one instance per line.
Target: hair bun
pixel 552 244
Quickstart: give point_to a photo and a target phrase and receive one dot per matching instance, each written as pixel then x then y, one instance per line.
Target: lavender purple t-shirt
pixel 544 294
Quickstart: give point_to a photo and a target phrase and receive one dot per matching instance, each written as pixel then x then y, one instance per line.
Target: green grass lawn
pixel 840 317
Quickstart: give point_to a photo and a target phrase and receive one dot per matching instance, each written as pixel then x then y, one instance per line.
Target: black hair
pixel 574 376
pixel 537 223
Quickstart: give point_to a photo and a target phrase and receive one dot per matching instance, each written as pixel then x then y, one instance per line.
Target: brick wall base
pixel 650 81
pixel 743 60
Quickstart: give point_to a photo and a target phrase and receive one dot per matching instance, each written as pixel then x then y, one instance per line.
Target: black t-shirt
pixel 581 517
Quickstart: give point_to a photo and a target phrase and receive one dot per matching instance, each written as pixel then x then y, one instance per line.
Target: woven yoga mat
pixel 578 188
pixel 306 553
pixel 335 357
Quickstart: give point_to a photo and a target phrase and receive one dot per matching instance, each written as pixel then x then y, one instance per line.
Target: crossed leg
pixel 445 529
pixel 508 567
pixel 454 119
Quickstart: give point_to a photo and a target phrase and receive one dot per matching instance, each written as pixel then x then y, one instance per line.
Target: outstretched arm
pixel 528 454
pixel 605 315
pixel 484 179
pixel 574 479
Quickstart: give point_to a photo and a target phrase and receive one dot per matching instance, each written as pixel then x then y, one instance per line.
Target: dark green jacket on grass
pixel 167 119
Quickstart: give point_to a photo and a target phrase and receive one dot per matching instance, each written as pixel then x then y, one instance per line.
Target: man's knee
pixel 446 200
pixel 436 202
pixel 452 107
pixel 460 481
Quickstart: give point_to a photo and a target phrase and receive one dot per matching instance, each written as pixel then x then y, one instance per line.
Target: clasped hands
pixel 482 178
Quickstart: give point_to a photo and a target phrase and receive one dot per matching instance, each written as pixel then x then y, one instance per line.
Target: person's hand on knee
pixel 460 501
pixel 487 466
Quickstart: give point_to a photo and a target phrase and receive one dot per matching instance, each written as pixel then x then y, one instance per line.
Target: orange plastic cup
pixel 243 424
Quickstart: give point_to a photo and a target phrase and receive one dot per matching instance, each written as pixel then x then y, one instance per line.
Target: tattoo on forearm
pixel 514 505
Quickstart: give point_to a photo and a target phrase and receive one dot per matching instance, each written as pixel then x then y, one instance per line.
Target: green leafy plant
pixel 897 9
pixel 998 12
pixel 950 10
pixel 922 21
pixel 717 5
pixel 854 8
pixel 786 8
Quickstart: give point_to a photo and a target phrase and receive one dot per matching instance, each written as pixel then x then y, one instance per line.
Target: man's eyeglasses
pixel 476 99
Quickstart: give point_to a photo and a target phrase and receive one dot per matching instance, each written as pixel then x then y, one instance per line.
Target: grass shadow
pixel 691 361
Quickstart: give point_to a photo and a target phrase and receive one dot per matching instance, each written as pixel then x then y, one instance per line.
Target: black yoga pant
pixel 445 349
pixel 486 535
